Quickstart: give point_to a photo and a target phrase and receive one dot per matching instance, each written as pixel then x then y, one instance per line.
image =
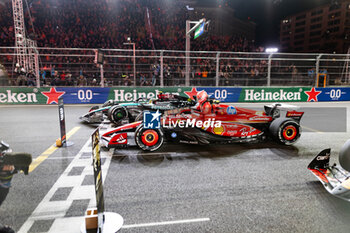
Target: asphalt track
pixel 262 187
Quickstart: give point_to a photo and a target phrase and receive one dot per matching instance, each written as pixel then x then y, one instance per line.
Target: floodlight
pixel 271 50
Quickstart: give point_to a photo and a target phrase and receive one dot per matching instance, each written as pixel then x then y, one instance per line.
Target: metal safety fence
pixel 125 67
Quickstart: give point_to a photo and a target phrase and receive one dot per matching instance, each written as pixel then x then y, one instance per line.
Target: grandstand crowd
pixel 151 25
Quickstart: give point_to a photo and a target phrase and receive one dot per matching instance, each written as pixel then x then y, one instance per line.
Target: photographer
pixel 10 163
pixel 6 174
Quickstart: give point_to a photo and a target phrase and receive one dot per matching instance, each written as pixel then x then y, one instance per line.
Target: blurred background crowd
pixel 150 24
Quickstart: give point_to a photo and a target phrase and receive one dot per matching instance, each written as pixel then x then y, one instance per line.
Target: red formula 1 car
pixel 208 122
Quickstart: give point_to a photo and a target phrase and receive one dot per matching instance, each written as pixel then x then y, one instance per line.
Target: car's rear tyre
pixel 117 113
pixel 149 139
pixel 285 131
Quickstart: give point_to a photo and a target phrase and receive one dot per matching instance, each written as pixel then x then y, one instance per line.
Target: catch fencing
pixel 125 67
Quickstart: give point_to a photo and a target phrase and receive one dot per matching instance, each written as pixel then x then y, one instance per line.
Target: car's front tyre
pixel 149 139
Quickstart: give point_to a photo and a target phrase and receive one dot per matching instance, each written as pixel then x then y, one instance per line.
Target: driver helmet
pixel 202 97
pixel 160 94
pixel 108 103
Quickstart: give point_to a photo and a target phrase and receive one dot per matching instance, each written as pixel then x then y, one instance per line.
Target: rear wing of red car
pixel 274 110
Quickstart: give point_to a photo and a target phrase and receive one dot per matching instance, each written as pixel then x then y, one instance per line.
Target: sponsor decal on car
pixel 122 139
pixel 218 130
pixel 325 157
pixel 231 110
pixel 246 131
pixel 294 114
pixel 259 118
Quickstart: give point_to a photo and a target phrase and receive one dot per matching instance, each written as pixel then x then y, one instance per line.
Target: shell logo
pixel 218 130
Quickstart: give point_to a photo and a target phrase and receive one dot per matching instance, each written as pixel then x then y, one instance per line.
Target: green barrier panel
pixel 288 94
pixel 127 94
pixel 23 95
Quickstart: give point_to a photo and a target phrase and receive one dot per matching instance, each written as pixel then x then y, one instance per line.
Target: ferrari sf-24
pixel 208 122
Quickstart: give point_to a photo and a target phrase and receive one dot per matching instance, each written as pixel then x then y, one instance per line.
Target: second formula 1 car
pixel 112 110
pixel 208 122
pixel 130 112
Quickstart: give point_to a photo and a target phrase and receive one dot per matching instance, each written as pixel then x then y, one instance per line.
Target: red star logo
pixel 191 93
pixel 52 95
pixel 312 94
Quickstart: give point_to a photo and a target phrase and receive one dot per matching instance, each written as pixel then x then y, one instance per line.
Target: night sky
pixel 267 14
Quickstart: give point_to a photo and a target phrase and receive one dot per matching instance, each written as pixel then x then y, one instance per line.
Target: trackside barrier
pixel 62 119
pixel 97 220
pixel 97 95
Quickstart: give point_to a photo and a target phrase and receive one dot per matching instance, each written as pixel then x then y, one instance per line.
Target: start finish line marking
pixel 166 223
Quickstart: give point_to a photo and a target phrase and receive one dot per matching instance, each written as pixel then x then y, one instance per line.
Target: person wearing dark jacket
pixel 6 174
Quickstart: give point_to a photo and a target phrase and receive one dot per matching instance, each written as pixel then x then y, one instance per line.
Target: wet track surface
pixel 261 187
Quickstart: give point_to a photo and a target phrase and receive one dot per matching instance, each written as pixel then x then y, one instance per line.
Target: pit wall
pixel 97 95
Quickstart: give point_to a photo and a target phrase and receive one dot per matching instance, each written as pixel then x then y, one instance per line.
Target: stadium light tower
pixel 134 57
pixel 20 33
pixel 26 52
pixel 270 51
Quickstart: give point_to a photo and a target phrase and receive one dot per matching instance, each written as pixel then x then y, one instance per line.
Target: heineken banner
pixel 97 95
pixel 294 94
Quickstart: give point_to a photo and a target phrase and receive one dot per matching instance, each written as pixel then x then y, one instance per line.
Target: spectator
pixel 82 81
pixel 127 81
pixel 108 24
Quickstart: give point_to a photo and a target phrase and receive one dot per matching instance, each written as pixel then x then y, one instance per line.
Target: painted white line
pixel 166 223
pixel 311 129
pixel 54 158
pixel 72 157
pixel 347 119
